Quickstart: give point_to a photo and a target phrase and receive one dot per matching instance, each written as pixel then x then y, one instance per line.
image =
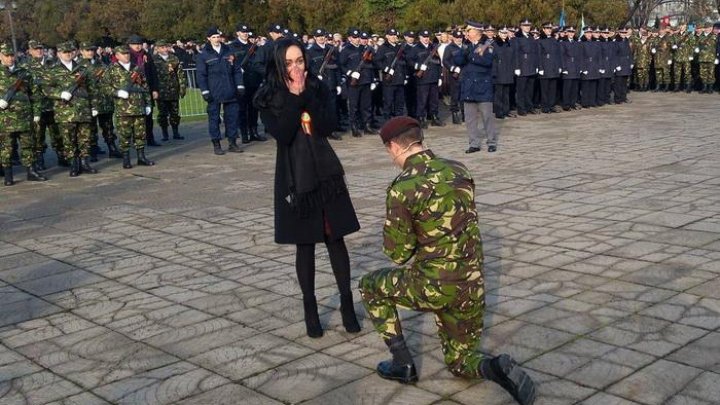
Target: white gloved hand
pixel 3 104
pixel 653 51
pixel 148 110
pixel 541 73
pixel 619 68
pixel 440 83
pixel 36 119
pixel 632 66
pixel 373 86
pixel 355 75
pixel 691 58
pixel 65 95
pixel 517 72
pixel 405 81
pixel 565 72
pixel 457 69
pixel 94 112
pixel 669 62
pixel 674 47
pixel 536 70
pixel 338 89
pixel 423 67
pixel 697 50
pixel 717 61
pixel 123 94
pixel 602 71
pixel 560 70
pixel 391 72
pixel 320 77
pixel 585 72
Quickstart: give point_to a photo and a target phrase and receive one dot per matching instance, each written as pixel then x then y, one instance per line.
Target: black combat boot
pixel 113 151
pixel 312 319
pixel 217 148
pixel 456 118
pixel 74 167
pixel 176 133
pixel 436 122
pixel 423 123
pixel 504 371
pixel 355 131
pixel 150 140
pixel 126 160
pixel 40 161
pixel 33 175
pixel 233 146
pixel 142 160
pixel 165 135
pixel 256 136
pixel 61 160
pixel 401 368
pixel 369 130
pixel 85 166
pixel 8 175
pixel 347 310
pixel 688 88
pixel 93 153
pixel 245 135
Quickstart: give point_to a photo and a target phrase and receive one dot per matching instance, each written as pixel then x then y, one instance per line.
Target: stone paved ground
pixel 163 285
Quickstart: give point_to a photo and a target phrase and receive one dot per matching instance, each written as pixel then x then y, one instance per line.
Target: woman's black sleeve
pixel 283 122
pixel 324 117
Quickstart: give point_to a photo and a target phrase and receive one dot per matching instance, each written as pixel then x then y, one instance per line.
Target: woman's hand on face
pixel 296 84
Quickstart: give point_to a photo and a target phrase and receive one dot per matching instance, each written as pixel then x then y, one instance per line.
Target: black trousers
pixel 524 89
pixel 548 93
pixel 454 90
pixel 339 261
pixel 360 105
pixel 149 136
pixel 428 100
pixel 393 97
pixel 248 113
pixel 501 102
pixel 570 92
pixel 620 88
pixel 411 97
pixel 588 92
pixel 604 88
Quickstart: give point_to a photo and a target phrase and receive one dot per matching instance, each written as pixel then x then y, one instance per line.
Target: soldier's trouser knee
pixel 662 76
pixel 131 129
pixel 707 74
pixel 168 112
pixel 105 121
pixel 458 310
pixel 76 139
pixel 642 78
pixel 25 142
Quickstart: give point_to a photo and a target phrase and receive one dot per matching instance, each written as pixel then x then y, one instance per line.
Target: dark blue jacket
pixel 419 55
pixel 527 53
pixel 384 58
pixel 351 60
pixel 608 62
pixel 550 57
pixel 331 73
pixel 623 57
pixel 503 62
pixel 219 73
pixel 476 82
pixel 253 68
pixel 590 62
pixel 571 51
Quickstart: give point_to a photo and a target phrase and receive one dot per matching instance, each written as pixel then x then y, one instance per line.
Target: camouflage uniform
pixel 16 119
pixel 707 44
pixel 431 216
pixel 37 68
pixel 683 54
pixel 662 54
pixel 172 85
pixel 643 59
pixel 102 103
pixel 130 112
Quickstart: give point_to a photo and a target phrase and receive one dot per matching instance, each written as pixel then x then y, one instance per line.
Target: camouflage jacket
pixel 18 116
pixel 662 48
pixel 102 102
pixel 172 82
pixel 643 57
pixel 37 68
pixel 431 215
pixel 133 81
pixel 59 79
pixel 686 48
pixel 708 46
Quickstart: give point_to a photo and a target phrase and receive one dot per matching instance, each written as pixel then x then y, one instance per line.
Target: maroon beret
pixel 397 126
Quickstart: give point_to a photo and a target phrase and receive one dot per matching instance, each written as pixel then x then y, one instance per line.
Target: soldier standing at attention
pixel 642 61
pixel 323 64
pixel 172 85
pixel 250 60
pixel 426 64
pixel 624 63
pixel 503 77
pixel 357 63
pixel 526 67
pixel 145 62
pixel 391 61
pixel 18 93
pixel 550 60
pixel 589 68
pixel 707 59
pixel 431 217
pixel 571 55
pixel 410 86
pixel 453 74
pixel 131 94
pixel 69 86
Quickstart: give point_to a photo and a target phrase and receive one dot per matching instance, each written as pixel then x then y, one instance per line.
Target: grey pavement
pixel 162 284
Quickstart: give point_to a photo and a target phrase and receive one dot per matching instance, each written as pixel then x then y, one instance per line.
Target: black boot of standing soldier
pixel 165 134
pixel 8 175
pixel 33 175
pixel 142 160
pixel 126 160
pixel 176 133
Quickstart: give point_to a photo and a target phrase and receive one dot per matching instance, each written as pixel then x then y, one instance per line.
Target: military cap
pixel 588 29
pixel 242 28
pixel 162 42
pixel 716 25
pixel 6 49
pixel 396 127
pixel 474 25
pixel 286 32
pixel 457 34
pixel 525 21
pixel 320 32
pixel 570 28
pixel 534 31
pixel 364 35
pixel 136 39
pixel 122 49
pixel 213 31
pixel 276 28
pixel 489 27
pixel 504 29
pixel 87 46
pixel 547 25
pixel 354 32
pixel 391 31
pixel 409 33
pixel 424 33
pixel 67 46
pixel 34 44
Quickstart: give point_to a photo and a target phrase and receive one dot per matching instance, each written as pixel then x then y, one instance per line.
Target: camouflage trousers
pixel 47 120
pixel 102 122
pixel 682 71
pixel 662 76
pixel 26 143
pixel 642 78
pixel 707 72
pixel 458 310
pixel 76 139
pixel 168 109
pixel 131 130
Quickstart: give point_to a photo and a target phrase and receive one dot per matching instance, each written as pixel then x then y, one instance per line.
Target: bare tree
pixel 641 9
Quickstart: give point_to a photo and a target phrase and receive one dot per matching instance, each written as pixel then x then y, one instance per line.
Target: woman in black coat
pixel 312 203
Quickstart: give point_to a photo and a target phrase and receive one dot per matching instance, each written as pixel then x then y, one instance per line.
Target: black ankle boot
pixel 312 319
pixel 176 134
pixel 142 160
pixel 436 122
pixel 165 135
pixel 217 149
pixel 62 161
pixel 233 146
pixel 113 151
pixel 86 168
pixel 369 130
pixel 33 175
pixel 245 135
pixel 40 161
pixel 8 175
pixel 256 136
pixel 423 123
pixel 401 368
pixel 347 310
pixel 456 118
pixel 504 371
pixel 74 167
pixel 93 153
pixel 126 160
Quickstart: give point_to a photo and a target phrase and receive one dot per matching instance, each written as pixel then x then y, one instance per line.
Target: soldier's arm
pixel 182 79
pixel 35 95
pixel 400 241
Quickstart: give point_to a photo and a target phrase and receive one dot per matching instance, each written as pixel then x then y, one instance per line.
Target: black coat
pixel 624 58
pixel 283 123
pixel 550 58
pixel 571 57
pixel 331 72
pixel 503 62
pixel 384 58
pixel 527 53
pixel 590 62
pixel 351 60
pixel 419 56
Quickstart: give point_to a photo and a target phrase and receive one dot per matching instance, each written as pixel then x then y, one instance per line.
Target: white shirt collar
pixel 125 65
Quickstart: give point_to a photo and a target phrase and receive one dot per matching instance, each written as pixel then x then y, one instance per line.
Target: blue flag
pixel 562 19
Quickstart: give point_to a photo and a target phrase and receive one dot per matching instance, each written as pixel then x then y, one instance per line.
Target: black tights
pixel 339 260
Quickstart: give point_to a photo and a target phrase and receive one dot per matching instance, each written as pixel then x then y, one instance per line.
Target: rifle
pixel 79 80
pixel 17 86
pixel 326 59
pixel 366 57
pixel 248 54
pixel 390 70
pixel 420 73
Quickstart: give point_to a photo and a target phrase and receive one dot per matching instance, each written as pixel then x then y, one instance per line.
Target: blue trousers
pixel 231 112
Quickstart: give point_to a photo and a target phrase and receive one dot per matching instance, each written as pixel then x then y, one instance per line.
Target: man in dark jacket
pixel 571 54
pixel 503 76
pixel 141 58
pixel 526 67
pixel 453 76
pixel 607 66
pixel 247 55
pixel 323 63
pixel 550 70
pixel 357 65
pixel 390 59
pixel 589 69
pixel 221 83
pixel 427 67
pixel 476 87
pixel 623 70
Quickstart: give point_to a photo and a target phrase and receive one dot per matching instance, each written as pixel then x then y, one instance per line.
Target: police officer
pixel 606 67
pixel 446 274
pixel 410 85
pixel 526 67
pixel 221 84
pixel 503 76
pixel 623 70
pixel 571 55
pixel 426 65
pixel 550 60
pixel 589 68
pixel 391 60
pixel 357 64
pixel 323 63
pixel 453 74
pixel 252 64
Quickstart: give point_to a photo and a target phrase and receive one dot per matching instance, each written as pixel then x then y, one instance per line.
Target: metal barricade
pixel 192 104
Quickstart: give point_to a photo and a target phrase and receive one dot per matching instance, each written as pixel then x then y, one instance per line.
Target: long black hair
pixel 274 88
